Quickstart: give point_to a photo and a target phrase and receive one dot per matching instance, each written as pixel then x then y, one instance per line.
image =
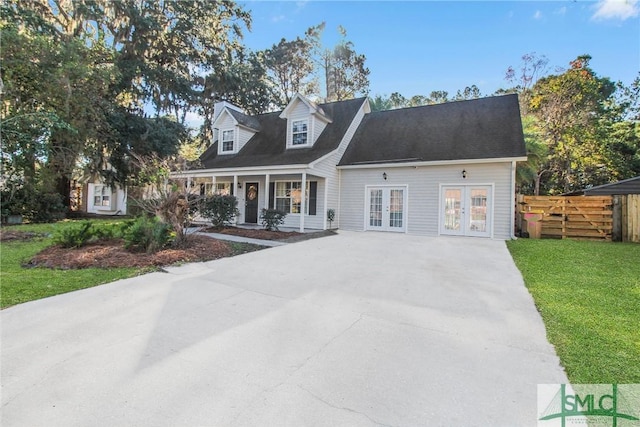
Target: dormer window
pixel 299 132
pixel 227 141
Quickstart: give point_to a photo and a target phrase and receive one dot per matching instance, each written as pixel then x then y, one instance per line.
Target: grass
pixel 18 285
pixel 588 294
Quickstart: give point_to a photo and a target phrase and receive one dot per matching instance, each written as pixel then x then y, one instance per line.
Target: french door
pixel 386 209
pixel 466 210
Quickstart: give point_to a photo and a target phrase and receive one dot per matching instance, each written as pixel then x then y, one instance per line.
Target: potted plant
pixel 331 216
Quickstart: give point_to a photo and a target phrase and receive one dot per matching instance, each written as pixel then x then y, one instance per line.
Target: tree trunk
pixel 63 187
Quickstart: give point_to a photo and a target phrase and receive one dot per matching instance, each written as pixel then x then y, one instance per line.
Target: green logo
pixel 602 404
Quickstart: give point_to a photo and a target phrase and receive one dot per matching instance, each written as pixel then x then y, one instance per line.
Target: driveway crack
pixel 343 408
pixel 321 349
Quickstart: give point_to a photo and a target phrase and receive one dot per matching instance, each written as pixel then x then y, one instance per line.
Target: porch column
pixel 324 214
pixel 266 191
pixel 234 190
pixel 213 184
pixel 189 185
pixel 303 200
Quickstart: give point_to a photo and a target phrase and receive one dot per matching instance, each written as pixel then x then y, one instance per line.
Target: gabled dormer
pixel 232 128
pixel 305 122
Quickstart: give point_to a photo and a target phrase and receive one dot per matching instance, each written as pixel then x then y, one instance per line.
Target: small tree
pixel 220 209
pixel 272 218
pixel 170 202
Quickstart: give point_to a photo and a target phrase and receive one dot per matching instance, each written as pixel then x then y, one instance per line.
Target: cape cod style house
pixel 445 169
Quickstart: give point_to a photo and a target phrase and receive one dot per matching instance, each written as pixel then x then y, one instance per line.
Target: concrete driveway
pixel 358 329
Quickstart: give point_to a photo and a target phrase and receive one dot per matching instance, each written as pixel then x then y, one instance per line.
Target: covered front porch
pixel 300 194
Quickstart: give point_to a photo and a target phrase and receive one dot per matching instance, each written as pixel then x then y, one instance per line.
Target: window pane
pixel 395 208
pixel 299 132
pixel 300 126
pixel 299 138
pixel 283 204
pixel 227 135
pixel 375 208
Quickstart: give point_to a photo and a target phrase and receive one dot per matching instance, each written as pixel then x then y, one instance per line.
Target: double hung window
pixel 227 141
pixel 299 132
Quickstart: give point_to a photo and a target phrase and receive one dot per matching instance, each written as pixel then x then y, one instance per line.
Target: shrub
pixel 32 202
pixel 331 216
pixel 219 209
pixel 74 237
pixel 272 218
pixel 147 234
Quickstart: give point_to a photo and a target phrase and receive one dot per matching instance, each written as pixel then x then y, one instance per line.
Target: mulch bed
pixel 254 233
pixel 111 253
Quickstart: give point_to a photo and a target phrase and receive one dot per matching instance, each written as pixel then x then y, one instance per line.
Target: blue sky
pixel 416 47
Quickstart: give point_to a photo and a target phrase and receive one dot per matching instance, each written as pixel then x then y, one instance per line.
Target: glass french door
pixel 386 208
pixel 466 210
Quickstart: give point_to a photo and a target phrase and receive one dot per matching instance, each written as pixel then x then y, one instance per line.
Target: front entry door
pixel 251 202
pixel 386 209
pixel 466 210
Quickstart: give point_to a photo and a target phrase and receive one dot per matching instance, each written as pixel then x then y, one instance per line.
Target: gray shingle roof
pixel 268 146
pixel 626 186
pixel 247 121
pixel 482 128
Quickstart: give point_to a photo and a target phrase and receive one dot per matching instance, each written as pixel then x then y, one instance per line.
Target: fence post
pixel 616 231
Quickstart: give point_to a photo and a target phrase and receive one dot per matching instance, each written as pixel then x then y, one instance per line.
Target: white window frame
pixel 291 204
pixel 104 193
pixel 306 124
pixel 232 140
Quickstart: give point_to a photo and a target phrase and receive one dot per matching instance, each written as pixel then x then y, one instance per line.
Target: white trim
pixel 235 122
pixel 303 200
pixel 326 196
pixel 308 143
pixel 432 163
pixel 267 182
pixel 221 141
pixel 405 208
pixel 313 109
pixel 248 170
pixel 463 231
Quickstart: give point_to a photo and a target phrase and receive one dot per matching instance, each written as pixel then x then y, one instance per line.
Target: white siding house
pixel 446 169
pixel 105 200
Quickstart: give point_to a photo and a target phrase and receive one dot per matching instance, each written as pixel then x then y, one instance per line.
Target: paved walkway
pixel 357 329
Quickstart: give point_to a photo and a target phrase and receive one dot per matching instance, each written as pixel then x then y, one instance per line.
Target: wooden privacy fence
pixel 626 217
pixel 582 217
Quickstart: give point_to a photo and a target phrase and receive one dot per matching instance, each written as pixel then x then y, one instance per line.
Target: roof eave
pixel 419 163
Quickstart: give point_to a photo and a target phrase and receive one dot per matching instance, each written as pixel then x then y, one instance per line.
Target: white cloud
pixel 561 11
pixel 278 18
pixel 616 9
pixel 537 15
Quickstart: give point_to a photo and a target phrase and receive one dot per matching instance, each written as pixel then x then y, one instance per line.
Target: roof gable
pixel 482 128
pixel 268 146
pixel 313 109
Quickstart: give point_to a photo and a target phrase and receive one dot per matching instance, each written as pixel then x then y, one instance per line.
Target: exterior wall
pixel 327 167
pixel 299 112
pixel 243 137
pixel 118 201
pixel 317 126
pixel 291 220
pixel 226 122
pixel 423 187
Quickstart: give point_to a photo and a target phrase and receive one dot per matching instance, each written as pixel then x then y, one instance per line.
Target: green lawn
pixel 588 294
pixel 19 284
